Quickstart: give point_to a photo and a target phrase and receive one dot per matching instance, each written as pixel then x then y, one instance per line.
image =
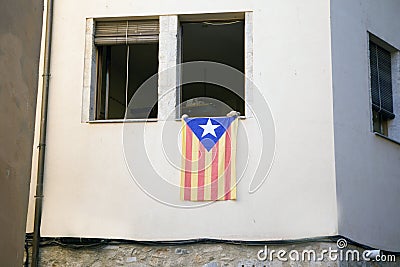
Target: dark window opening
pixel 127 57
pixel 112 91
pixel 221 42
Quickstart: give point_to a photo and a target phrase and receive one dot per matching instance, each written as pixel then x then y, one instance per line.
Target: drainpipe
pixel 42 138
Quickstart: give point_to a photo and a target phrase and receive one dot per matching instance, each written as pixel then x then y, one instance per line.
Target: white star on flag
pixel 209 128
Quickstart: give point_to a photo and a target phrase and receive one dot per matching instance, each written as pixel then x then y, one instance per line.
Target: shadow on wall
pixel 20 34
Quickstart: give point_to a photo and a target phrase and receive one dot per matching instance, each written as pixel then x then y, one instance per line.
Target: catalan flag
pixel 209 158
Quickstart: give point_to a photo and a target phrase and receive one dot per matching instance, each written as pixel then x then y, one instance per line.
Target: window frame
pixel 90 74
pixel 391 126
pixel 247 17
pixel 215 19
pixel 114 34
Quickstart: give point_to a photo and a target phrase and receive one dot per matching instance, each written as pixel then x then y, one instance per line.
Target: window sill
pixel 386 137
pixel 240 117
pixel 122 121
pixel 136 120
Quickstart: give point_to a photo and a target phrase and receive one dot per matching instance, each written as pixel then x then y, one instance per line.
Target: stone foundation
pixel 196 254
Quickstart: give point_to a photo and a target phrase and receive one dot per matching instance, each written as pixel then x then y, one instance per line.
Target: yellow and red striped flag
pixel 209 158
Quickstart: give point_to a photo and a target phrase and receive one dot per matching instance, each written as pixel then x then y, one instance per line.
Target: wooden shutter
pixel 381 80
pixel 126 32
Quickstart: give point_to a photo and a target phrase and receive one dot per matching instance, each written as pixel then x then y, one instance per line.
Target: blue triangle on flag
pixel 209 130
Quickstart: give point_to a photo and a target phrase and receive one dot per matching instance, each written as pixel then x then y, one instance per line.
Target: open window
pixel 219 41
pixel 127 55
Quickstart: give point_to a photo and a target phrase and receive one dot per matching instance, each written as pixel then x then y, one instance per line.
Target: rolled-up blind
pixel 381 80
pixel 126 32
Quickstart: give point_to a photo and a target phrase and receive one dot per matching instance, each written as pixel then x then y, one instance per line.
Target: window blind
pixel 381 80
pixel 126 32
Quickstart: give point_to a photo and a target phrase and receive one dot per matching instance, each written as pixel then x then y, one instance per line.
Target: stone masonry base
pixel 200 254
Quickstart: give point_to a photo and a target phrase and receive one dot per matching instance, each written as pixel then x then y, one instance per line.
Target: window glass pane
pixel 377 122
pixel 117 69
pixel 143 64
pixel 101 70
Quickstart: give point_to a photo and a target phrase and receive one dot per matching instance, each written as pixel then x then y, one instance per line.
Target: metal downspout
pixel 42 138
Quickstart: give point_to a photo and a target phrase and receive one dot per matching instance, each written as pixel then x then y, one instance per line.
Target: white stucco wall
pixel 88 190
pixel 367 166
